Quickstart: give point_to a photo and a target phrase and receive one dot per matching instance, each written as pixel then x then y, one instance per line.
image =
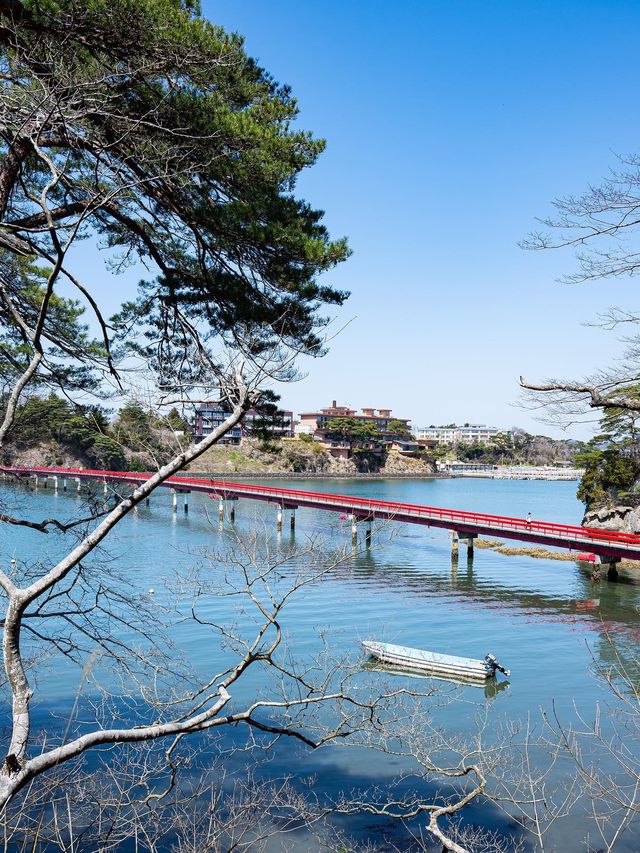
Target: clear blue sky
pixel 450 127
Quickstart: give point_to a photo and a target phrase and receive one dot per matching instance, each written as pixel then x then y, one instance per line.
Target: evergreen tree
pixel 612 461
pixel 146 125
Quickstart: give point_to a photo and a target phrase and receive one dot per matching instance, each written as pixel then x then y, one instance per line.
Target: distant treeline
pixel 520 448
pixel 130 440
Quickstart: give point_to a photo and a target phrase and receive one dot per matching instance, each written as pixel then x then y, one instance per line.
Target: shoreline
pixel 315 475
pixel 355 475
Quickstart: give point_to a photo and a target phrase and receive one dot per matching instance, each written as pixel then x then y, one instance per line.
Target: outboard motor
pixel 492 664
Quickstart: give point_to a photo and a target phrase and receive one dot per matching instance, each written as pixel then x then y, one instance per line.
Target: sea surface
pixel 546 620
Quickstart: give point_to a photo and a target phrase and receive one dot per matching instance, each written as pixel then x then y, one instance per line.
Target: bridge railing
pixel 465 517
pixel 365 505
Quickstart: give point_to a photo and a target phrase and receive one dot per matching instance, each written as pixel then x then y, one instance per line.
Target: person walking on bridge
pixel 528 519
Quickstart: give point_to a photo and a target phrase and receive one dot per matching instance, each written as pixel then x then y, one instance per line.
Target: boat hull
pixel 447 666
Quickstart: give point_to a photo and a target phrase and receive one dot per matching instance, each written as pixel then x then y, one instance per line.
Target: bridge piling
pixel 470 538
pixel 64 484
pixel 175 500
pixel 220 511
pixel 367 535
pixel 279 519
pixel 611 564
pixel 55 484
pixel 354 530
pixel 232 510
pixel 79 486
pixel 186 502
pixel 454 545
pixel 292 519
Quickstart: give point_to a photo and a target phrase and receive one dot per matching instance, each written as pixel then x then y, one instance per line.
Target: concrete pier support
pixel 55 484
pixel 36 483
pixel 454 545
pixel 46 482
pixel 175 500
pixel 279 518
pixel 64 485
pixel 608 563
pixel 221 511
pixel 470 539
pixel 186 502
pixel 293 519
pixel 79 486
pixel 105 490
pixel 367 535
pixel 354 530
pixel 232 510
pixel 456 536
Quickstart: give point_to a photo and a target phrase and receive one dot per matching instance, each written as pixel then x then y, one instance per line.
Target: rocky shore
pixel 251 458
pixel 305 459
pixel 625 519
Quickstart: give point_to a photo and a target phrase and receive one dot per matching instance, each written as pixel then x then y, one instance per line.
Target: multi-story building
pixel 466 434
pixel 209 416
pixel 379 418
pixel 315 424
pixel 441 435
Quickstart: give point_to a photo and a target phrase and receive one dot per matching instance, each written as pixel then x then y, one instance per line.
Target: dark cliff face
pixel 618 517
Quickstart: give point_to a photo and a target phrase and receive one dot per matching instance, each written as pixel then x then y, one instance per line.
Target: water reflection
pixel 606 607
pixel 491 687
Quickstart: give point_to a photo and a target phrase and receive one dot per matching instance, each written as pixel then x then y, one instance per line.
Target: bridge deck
pixel 605 543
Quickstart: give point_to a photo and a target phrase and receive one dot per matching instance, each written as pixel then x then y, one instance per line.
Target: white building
pixel 467 434
pixel 303 429
pixel 443 435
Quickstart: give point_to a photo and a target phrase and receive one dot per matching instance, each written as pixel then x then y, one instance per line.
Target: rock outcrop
pixel 45 455
pixel 303 457
pixel 279 457
pixel 396 463
pixel 625 519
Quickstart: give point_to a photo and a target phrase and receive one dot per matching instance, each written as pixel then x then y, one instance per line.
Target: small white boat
pixel 443 666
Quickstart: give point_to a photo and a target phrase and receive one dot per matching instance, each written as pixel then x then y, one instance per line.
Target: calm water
pixel 544 619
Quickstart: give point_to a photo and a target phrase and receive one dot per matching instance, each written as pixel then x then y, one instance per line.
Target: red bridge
pixel 609 546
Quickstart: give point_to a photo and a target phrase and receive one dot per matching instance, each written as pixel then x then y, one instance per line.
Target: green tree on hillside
pixel 175 421
pixel 133 426
pixel 612 461
pixel 352 430
pixel 398 427
pixel 82 430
